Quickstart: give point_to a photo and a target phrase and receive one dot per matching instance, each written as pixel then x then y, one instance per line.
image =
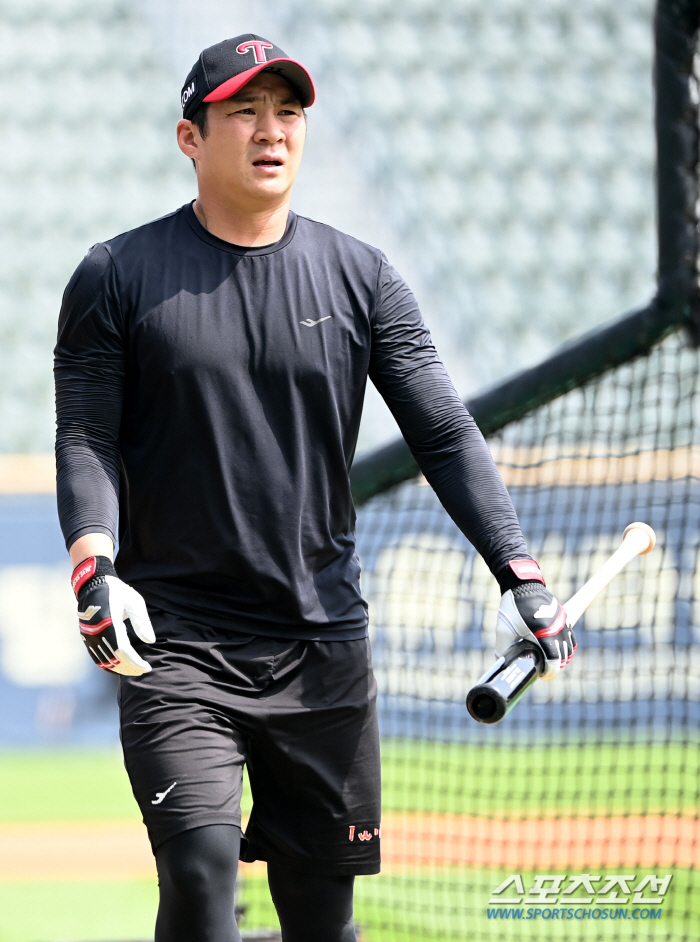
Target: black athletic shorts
pixel 301 715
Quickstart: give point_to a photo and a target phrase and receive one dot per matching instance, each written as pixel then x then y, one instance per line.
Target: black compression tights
pixel 312 908
pixel 197 875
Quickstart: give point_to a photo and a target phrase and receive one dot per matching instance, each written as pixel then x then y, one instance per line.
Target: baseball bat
pixel 497 692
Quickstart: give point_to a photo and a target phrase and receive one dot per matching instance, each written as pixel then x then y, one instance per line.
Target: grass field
pixel 416 776
pixel 420 904
pixel 451 905
pixel 593 780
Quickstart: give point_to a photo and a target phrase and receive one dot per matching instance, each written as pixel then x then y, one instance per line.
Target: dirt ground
pixel 120 850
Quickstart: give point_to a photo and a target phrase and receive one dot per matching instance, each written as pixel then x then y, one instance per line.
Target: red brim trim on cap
pixel 232 85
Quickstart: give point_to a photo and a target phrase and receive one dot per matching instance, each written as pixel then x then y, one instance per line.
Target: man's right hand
pixel 104 602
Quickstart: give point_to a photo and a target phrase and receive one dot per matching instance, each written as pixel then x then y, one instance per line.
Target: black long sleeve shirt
pixel 209 400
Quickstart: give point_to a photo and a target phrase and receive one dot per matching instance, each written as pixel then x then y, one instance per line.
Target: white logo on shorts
pixel 161 795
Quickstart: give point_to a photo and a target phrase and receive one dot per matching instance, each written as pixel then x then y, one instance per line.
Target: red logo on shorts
pixel 258 48
pixel 363 835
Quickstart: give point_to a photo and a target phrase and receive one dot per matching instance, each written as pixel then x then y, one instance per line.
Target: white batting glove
pixel 104 603
pixel 530 611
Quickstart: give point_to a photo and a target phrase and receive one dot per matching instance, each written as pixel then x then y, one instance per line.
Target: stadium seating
pixel 511 145
pixel 89 151
pixel 508 146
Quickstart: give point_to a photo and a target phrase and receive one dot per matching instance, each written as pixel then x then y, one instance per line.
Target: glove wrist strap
pixel 90 568
pixel 518 572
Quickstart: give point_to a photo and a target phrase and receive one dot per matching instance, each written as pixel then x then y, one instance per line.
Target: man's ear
pixel 188 138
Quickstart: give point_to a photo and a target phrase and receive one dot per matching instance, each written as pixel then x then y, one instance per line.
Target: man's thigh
pixel 183 755
pixel 313 762
pixel 301 715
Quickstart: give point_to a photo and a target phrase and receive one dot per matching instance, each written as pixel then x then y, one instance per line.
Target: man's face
pixel 254 141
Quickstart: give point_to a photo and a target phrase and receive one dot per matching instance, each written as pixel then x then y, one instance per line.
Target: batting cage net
pixel 576 817
pixel 594 774
pixel 581 806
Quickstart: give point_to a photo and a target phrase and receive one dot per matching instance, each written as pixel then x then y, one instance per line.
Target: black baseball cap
pixel 223 69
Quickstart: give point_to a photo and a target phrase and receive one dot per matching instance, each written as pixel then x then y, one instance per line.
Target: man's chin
pixel 270 190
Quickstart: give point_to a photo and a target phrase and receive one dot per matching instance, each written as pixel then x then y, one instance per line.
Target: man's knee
pixel 196 862
pixel 188 876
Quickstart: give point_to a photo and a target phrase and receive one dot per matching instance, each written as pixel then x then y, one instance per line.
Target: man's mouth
pixel 267 162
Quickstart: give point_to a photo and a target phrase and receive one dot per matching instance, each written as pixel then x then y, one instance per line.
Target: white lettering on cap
pixel 189 91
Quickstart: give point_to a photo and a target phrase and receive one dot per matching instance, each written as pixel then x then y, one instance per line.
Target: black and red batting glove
pixel 529 610
pixel 104 604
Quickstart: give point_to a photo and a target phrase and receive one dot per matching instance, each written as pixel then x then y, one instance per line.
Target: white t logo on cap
pixel 258 48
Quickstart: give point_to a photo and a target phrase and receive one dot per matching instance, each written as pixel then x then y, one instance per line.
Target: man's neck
pixel 249 228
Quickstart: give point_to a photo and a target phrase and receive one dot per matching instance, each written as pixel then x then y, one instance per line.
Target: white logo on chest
pixel 309 323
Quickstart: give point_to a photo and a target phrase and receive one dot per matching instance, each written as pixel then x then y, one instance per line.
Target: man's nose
pixel 269 130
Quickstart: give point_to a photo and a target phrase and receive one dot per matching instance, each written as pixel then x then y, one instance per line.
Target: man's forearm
pixel 90 365
pixel 91 544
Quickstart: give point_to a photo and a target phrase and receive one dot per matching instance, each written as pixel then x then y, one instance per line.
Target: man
pixel 210 373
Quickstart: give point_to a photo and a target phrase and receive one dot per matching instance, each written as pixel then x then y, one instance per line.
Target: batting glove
pixel 529 610
pixel 104 603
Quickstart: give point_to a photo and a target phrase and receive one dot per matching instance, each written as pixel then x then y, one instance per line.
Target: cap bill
pixel 294 72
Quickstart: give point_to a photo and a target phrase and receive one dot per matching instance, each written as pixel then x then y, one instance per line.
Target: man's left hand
pixel 530 611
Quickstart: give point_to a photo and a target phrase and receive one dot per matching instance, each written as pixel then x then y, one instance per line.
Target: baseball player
pixel 210 374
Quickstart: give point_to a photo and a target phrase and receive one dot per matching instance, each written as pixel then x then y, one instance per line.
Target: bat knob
pixel 644 528
pixel 497 692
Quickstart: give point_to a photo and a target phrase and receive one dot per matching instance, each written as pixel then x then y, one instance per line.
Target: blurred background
pixel 500 153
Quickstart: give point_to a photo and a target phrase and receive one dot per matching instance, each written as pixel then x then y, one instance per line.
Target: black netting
pixel 596 773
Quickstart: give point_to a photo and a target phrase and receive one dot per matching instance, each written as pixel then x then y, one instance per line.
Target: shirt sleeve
pixel 89 368
pixel 441 433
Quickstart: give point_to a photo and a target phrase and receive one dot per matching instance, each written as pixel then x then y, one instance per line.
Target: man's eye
pixel 244 111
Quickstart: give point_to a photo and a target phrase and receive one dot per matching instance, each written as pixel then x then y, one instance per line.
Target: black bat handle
pixel 497 692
